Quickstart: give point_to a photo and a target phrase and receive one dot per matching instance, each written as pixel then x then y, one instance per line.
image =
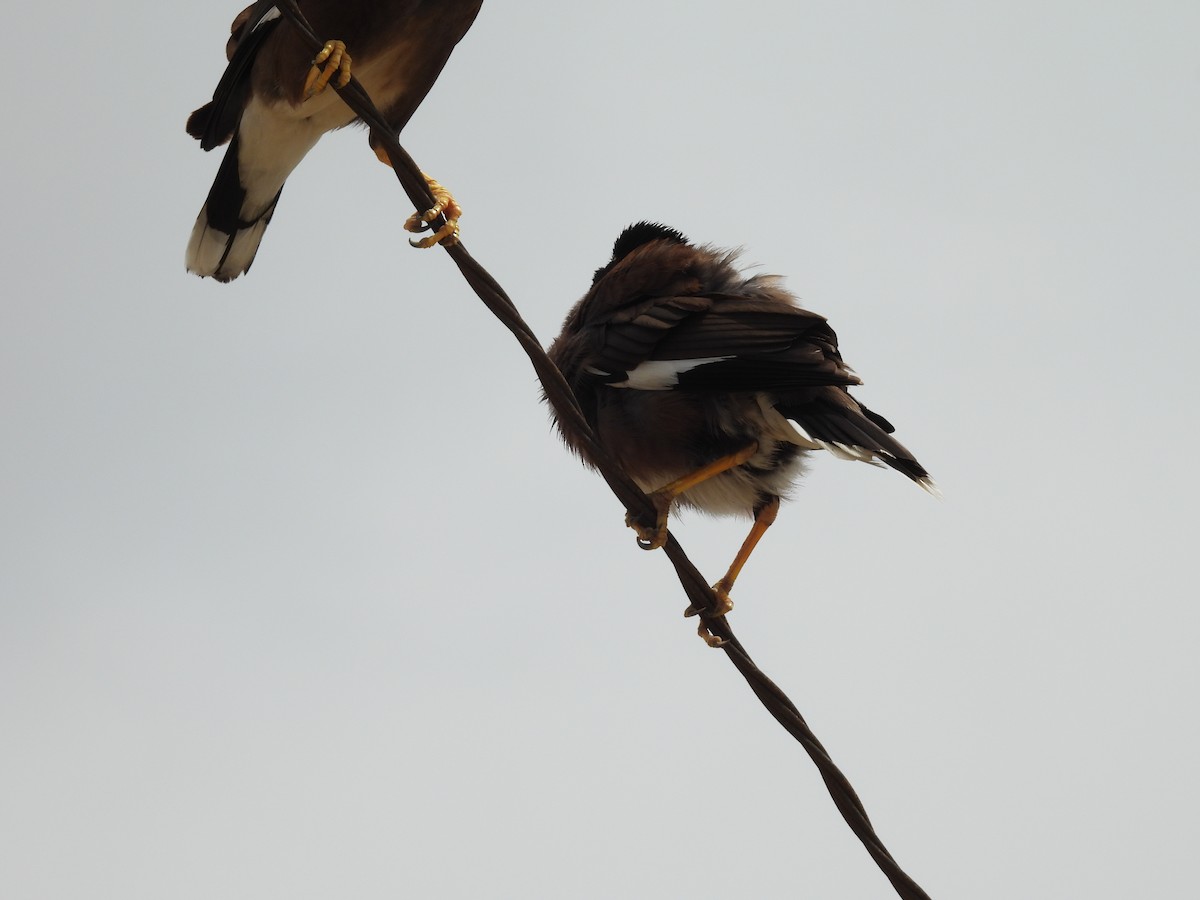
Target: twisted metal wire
pixel 700 595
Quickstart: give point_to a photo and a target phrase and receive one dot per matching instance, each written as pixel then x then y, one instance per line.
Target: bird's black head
pixel 635 236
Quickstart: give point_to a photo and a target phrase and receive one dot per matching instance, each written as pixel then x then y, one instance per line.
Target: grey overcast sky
pixel 300 597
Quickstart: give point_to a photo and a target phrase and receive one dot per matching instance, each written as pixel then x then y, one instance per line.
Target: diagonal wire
pixel 566 407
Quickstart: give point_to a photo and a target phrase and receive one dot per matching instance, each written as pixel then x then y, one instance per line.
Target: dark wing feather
pixel 787 352
pixel 762 349
pixel 215 122
pixel 723 332
pixel 634 334
pixel 834 416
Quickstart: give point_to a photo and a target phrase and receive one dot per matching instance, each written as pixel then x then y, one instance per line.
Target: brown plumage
pixel 710 387
pixel 260 107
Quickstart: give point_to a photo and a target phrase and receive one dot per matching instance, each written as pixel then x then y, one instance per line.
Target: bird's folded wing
pixel 214 123
pixel 717 343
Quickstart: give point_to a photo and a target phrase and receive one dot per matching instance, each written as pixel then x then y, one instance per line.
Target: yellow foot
pixel 335 59
pixel 444 204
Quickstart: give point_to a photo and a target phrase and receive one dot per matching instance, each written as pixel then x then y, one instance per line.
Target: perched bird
pixel 272 106
pixel 709 387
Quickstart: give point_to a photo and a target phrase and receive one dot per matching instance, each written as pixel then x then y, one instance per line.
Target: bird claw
pixel 724 605
pixel 444 204
pixel 723 608
pixel 652 538
pixel 648 538
pixel 335 59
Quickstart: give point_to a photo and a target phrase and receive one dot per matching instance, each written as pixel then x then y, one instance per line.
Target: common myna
pixel 272 106
pixel 711 387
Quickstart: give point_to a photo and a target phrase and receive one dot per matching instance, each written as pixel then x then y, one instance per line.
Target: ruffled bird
pixel 711 387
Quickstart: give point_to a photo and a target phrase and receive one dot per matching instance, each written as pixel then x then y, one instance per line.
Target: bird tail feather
pixel 858 435
pixel 223 244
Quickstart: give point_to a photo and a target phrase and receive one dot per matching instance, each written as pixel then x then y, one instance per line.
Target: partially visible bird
pixel 710 387
pixel 272 106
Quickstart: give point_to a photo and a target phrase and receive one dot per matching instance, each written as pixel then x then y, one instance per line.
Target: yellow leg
pixel 653 538
pixel 335 59
pixel 763 520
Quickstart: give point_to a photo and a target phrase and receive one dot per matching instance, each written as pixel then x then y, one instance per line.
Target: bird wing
pixel 214 123
pixel 717 342
pixel 790 355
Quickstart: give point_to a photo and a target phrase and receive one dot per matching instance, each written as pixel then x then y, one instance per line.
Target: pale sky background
pixel 301 598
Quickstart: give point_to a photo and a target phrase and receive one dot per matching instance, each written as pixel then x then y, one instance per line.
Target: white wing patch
pixel 272 13
pixel 662 374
